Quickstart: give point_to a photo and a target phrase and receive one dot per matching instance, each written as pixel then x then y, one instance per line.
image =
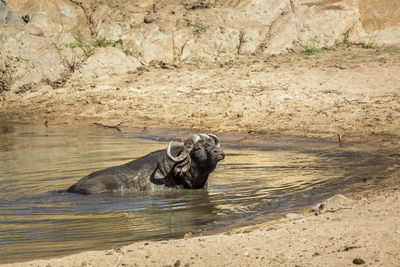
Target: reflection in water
pixel 38 219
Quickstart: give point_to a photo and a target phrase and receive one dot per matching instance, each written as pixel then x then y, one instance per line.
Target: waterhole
pixel 255 182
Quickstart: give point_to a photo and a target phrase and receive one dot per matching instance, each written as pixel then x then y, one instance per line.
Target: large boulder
pixel 31 53
pixel 275 27
pixel 216 41
pixel 250 41
pixel 108 61
pixel 379 22
pixel 28 59
pixel 283 35
pixel 149 43
pixel 113 18
pixel 58 20
pixel 323 23
pixel 311 23
pixel 9 22
pixel 244 14
pixel 229 27
pixel 8 17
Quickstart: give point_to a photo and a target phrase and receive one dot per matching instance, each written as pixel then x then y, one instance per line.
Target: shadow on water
pixel 256 182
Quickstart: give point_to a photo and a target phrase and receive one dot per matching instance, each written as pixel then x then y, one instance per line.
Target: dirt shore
pixel 362 231
pixel 348 92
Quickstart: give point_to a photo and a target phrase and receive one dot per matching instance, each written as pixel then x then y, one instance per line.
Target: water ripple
pixel 39 219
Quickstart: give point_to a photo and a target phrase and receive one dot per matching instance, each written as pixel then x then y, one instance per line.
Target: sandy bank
pixel 348 90
pixel 363 228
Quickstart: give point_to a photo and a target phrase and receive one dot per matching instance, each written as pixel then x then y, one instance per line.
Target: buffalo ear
pixel 183 167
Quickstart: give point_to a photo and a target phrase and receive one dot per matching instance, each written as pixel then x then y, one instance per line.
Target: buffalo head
pixel 198 158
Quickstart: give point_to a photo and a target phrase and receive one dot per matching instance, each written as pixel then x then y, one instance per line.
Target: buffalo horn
pixel 216 139
pixel 180 158
pixel 194 138
pixel 204 135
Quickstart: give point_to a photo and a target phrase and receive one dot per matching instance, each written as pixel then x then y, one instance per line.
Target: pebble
pixel 358 261
pixel 188 235
pixel 293 216
pixel 150 17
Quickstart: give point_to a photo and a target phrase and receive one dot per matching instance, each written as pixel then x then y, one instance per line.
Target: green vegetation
pixel 127 51
pixel 387 49
pixel 369 45
pixel 346 40
pixel 81 43
pixel 312 50
pixel 78 42
pixel 103 42
pixel 87 46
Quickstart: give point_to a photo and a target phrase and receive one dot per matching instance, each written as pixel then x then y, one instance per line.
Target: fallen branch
pixel 337 66
pixel 347 248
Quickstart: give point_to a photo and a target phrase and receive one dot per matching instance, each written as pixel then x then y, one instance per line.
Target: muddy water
pixel 254 182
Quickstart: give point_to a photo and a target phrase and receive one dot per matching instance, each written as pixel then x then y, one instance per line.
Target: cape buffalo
pixel 186 166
